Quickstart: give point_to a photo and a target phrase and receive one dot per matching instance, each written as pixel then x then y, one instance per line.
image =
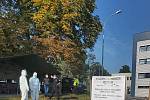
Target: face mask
pixel 46 76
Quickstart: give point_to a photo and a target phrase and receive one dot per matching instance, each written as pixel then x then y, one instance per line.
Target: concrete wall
pixel 140 39
pixel 142 68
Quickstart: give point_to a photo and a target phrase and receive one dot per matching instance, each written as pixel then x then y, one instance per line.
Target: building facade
pixel 141 65
pixel 128 80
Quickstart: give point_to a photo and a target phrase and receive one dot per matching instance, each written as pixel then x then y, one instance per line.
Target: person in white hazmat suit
pixel 24 88
pixel 34 84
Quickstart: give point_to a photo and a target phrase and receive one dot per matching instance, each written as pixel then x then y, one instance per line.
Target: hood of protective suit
pixel 34 74
pixel 23 73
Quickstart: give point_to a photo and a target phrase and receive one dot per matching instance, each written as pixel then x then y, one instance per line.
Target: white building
pixel 141 65
pixel 128 80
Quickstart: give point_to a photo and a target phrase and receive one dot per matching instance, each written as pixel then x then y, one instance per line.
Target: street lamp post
pixel 103 39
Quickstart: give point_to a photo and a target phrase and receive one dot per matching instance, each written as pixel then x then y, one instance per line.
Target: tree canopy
pixel 58 30
pixel 96 70
pixel 14 28
pixel 125 69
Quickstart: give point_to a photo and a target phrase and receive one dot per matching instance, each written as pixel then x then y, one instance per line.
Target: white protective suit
pixel 24 88
pixel 34 86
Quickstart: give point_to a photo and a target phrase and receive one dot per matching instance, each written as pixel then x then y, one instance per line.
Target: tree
pixel 14 28
pixel 125 69
pixel 58 30
pixel 86 68
pixel 70 25
pixel 96 70
pixel 90 58
pixel 65 19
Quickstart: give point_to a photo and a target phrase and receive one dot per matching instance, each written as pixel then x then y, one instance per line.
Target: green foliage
pixel 14 29
pixel 125 69
pixel 96 70
pixel 68 19
pixel 63 30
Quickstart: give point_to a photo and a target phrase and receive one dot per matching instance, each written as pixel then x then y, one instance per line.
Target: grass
pixel 64 97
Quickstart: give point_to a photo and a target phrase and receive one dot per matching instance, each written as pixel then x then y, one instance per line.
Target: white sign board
pixel 108 88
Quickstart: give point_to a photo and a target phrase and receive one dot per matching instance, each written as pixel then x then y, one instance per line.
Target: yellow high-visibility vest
pixel 76 82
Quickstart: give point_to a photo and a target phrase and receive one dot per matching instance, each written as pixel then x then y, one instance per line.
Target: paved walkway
pixel 136 98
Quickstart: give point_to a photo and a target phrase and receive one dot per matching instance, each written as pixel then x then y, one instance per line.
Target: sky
pixel 119 30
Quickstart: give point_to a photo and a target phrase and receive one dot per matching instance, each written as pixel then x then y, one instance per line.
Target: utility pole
pixel 103 39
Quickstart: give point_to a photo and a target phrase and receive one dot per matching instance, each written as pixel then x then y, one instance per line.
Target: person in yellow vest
pixel 75 85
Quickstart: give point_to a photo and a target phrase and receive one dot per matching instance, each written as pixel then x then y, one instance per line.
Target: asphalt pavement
pixel 136 98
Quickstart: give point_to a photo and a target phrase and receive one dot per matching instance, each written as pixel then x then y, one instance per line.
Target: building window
pixel 130 78
pixel 147 75
pixel 143 75
pixel 148 48
pixel 144 87
pixel 127 78
pixel 142 61
pixel 142 48
pixel 148 61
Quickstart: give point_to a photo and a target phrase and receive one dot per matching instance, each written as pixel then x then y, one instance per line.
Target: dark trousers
pixel 75 89
pixel 55 92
